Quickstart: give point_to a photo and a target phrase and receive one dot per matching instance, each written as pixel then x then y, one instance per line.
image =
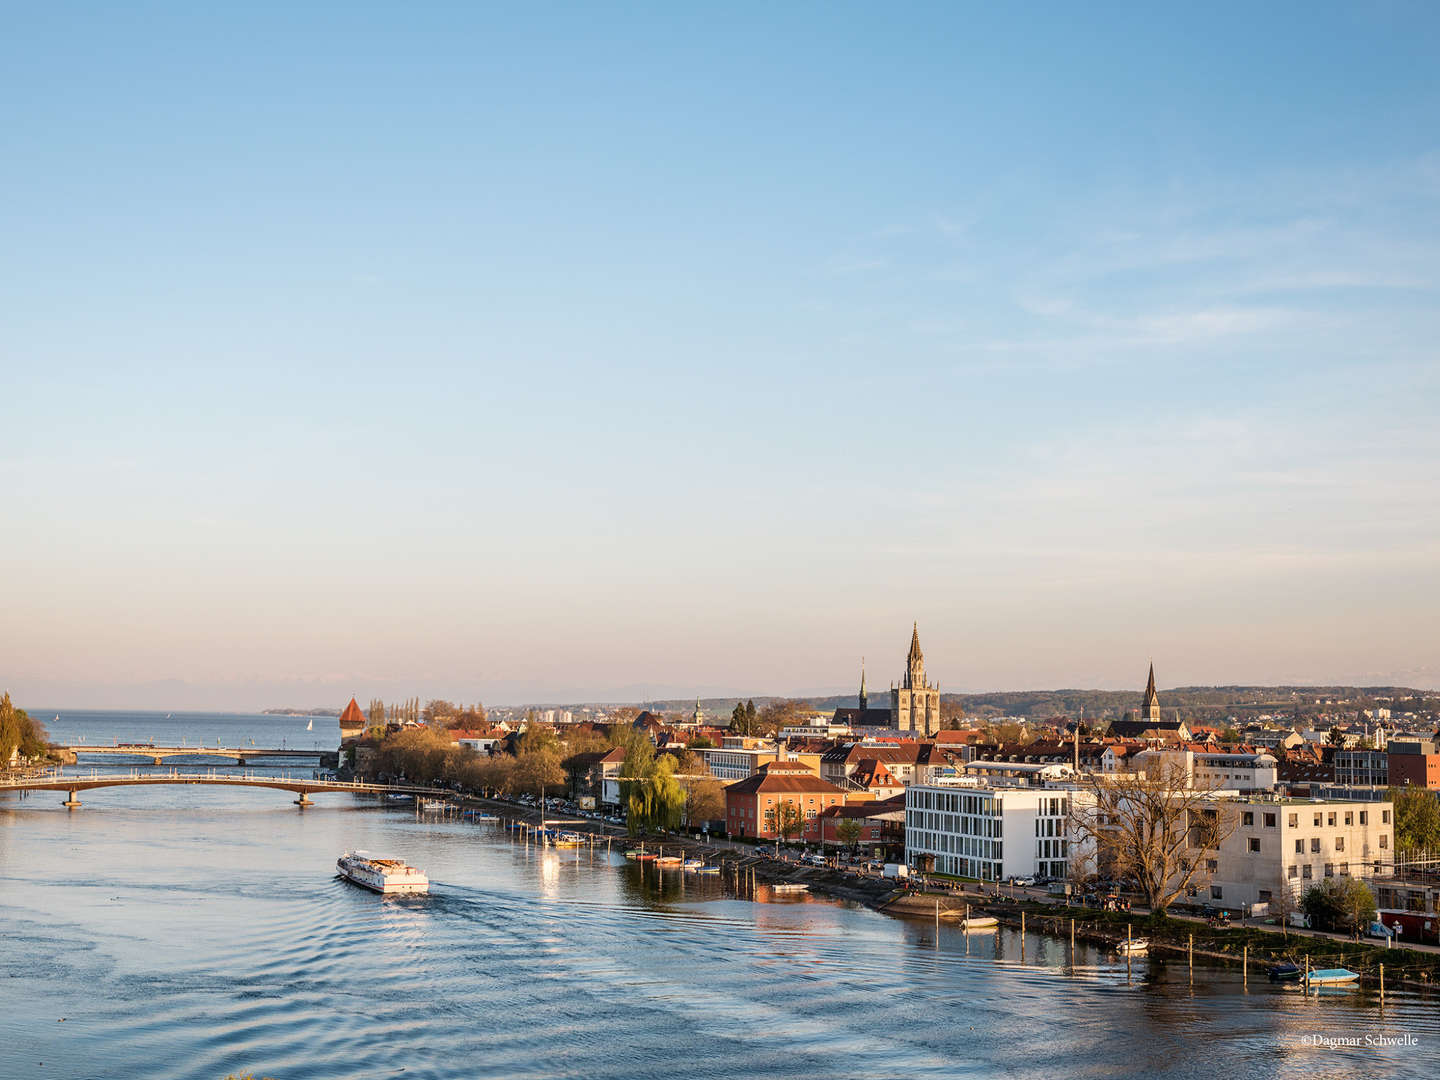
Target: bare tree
pixel 1284 902
pixel 1155 828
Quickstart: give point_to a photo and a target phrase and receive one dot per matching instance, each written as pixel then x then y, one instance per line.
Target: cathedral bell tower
pixel 915 704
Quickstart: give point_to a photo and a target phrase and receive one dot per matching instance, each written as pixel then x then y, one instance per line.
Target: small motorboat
pixel 1284 972
pixel 708 870
pixel 1331 977
pixel 669 862
pixel 693 864
pixel 979 922
pixel 1134 945
pixel 790 887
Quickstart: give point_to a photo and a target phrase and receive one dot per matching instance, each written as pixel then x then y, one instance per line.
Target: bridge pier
pixel 71 803
pixel 303 801
pixel 157 761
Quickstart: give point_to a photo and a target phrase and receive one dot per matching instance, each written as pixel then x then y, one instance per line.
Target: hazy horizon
pixel 517 354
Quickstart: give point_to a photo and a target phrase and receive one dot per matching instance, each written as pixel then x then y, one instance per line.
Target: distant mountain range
pixel 300 712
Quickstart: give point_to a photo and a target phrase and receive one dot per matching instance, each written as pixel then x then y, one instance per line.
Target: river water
pixel 194 931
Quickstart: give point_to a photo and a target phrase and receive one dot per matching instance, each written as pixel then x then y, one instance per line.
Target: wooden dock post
pixel 1382 986
pixel 1245 967
pixel 1072 939
pixel 1190 956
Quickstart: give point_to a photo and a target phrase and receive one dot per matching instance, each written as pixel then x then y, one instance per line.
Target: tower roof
pixel 1151 698
pixel 352 717
pixel 915 653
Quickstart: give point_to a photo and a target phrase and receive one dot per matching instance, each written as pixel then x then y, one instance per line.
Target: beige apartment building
pixel 1282 845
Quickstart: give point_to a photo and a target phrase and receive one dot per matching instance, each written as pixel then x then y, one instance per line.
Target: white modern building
pixel 972 829
pixel 1285 845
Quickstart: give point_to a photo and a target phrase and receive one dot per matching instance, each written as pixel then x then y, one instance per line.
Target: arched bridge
pixel 157 754
pixel 72 785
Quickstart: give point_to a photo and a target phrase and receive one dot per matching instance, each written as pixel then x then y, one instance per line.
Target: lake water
pixel 193 931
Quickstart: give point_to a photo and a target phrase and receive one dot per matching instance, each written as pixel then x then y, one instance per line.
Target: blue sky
pixel 590 352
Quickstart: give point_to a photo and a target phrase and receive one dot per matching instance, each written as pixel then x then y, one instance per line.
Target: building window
pixel 1254 844
pixel 1339 843
pixel 1216 892
pixel 1294 821
pixel 1247 818
pixel 1318 819
pixel 1264 894
pixel 1349 818
pixel 1212 865
pixel 1384 840
pixel 1305 872
pixel 1314 844
pixel 1270 821
pixel 1294 871
pixel 1384 817
pixel 1364 817
pixel 1329 869
pixel 1299 847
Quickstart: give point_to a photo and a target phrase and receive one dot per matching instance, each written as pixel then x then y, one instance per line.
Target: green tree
pixel 739 722
pixel 1340 904
pixel 848 830
pixel 653 797
pixel 703 742
pixel 375 717
pixel 1417 819
pixel 21 732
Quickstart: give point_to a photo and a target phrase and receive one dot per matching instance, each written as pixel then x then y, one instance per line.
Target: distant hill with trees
pixel 1302 703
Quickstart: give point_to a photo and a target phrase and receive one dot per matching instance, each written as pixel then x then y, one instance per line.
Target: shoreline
pixel 882 897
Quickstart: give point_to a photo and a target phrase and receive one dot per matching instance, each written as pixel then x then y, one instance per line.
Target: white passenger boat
pixel 1134 945
pixel 380 874
pixel 790 887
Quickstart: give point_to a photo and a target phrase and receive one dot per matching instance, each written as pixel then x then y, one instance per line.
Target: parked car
pixel 1022 881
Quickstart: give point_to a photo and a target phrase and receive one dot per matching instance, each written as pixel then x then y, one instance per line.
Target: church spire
pixel 915 662
pixel 1150 707
pixel 864 698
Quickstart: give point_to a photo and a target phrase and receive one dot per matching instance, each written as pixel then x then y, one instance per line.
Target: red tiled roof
pixel 785 783
pixel 352 717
